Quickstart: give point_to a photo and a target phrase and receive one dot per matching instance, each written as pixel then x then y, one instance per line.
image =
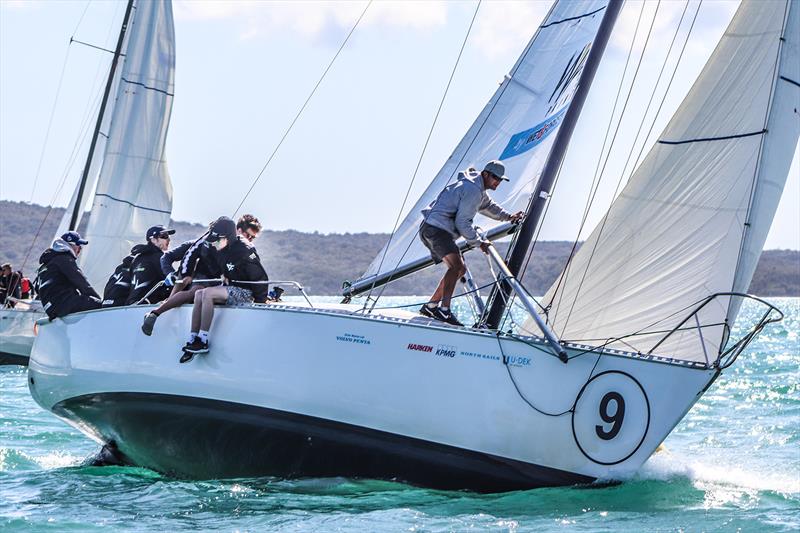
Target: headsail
pixel 693 218
pixel 133 189
pixel 517 125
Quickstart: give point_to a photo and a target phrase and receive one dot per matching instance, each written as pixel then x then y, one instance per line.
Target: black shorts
pixel 440 242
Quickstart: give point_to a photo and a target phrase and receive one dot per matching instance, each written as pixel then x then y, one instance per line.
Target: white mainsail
pixel 517 125
pixel 693 218
pixel 133 190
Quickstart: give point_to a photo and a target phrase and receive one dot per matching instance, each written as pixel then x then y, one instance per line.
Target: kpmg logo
pixel 419 347
pixel 443 350
pixel 525 140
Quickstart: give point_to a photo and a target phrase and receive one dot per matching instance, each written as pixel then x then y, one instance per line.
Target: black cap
pixel 73 237
pixel 222 227
pixel 157 231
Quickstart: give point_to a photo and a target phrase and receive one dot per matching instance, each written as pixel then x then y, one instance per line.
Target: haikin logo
pixel 419 347
pixel 444 350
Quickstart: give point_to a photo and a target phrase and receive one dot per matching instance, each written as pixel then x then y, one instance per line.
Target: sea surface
pixel 733 464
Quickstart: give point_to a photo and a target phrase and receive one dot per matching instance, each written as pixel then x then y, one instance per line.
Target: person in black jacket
pixel 241 267
pixel 10 285
pixel 61 285
pixel 118 286
pixel 146 267
pixel 197 262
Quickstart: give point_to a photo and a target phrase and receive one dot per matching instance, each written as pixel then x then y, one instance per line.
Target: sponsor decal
pixel 525 140
pixel 476 355
pixel 516 360
pixel 230 266
pixel 419 347
pixel 444 350
pixel 353 339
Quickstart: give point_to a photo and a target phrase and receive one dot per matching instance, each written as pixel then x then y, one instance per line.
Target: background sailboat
pixel 125 177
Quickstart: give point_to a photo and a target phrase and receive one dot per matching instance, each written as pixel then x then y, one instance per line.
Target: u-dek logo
pixel 419 347
pixel 444 350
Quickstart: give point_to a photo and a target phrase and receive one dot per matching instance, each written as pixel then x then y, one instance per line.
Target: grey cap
pixel 497 168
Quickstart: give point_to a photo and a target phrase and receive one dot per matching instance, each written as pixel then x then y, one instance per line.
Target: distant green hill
pixel 322 261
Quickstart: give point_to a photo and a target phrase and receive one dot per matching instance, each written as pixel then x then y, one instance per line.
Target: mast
pixel 73 223
pixel 541 194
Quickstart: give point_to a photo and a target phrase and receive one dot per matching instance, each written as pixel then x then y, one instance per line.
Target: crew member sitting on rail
pixel 197 262
pixel 248 227
pixel 245 277
pixel 61 285
pixel 451 216
pixel 146 267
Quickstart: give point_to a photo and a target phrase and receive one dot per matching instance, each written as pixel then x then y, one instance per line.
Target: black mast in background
pixel 73 223
pixel 542 192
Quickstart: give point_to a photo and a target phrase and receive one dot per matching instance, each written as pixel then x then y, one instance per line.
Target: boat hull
pixel 297 392
pixel 17 334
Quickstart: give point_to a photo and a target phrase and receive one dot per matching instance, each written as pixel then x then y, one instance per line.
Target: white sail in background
pixel 517 126
pixel 693 218
pixel 133 189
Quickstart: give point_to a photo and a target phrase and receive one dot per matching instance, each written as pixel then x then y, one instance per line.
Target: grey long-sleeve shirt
pixel 456 206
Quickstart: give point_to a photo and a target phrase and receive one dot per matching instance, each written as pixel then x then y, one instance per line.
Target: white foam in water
pixel 57 460
pixel 665 466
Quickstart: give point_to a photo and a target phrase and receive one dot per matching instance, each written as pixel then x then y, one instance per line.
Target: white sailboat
pixel 333 390
pixel 125 176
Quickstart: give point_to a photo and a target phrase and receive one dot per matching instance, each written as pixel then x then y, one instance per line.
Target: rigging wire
pixel 595 181
pixel 302 108
pixel 55 102
pixel 422 154
pixel 621 177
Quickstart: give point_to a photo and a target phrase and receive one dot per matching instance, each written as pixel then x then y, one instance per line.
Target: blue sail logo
pixel 525 140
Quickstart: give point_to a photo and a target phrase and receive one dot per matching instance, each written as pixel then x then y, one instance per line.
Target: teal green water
pixel 733 464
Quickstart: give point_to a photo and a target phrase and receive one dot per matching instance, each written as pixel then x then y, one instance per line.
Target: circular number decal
pixel 611 417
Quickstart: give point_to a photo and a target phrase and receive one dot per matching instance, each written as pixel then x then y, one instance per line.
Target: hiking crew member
pixel 240 264
pixel 146 267
pixel 10 285
pixel 61 285
pixel 451 216
pixel 248 227
pixel 118 286
pixel 197 261
pixel 139 272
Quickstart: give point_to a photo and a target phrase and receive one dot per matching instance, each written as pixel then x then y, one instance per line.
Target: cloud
pixel 313 19
pixel 505 26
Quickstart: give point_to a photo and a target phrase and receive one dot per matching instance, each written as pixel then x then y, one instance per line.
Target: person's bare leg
pixel 197 310
pixel 178 299
pixel 211 296
pixel 437 294
pixel 455 269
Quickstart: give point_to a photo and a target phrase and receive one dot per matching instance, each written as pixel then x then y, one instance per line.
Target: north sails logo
pixel 420 347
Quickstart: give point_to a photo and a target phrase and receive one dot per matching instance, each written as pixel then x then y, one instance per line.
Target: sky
pixel 244 69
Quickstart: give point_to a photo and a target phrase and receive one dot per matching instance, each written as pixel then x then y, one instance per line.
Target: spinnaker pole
pixel 541 194
pixel 76 211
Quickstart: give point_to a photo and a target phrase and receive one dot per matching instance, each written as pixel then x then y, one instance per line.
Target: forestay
pixel 517 125
pixel 693 218
pixel 133 189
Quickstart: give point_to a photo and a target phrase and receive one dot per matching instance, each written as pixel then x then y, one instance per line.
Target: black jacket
pixel 60 281
pixel 10 285
pixel 197 259
pixel 239 262
pixel 146 273
pixel 118 286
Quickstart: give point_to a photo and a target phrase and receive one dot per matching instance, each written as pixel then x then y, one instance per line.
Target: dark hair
pixel 248 222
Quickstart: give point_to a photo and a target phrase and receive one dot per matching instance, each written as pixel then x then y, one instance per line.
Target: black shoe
pixel 149 322
pixel 446 317
pixel 427 311
pixel 186 357
pixel 196 346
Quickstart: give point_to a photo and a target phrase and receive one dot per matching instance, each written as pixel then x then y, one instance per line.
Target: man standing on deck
pixel 451 216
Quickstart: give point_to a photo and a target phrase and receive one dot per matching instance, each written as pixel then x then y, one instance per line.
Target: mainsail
pixel 133 190
pixel 693 218
pixel 517 126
